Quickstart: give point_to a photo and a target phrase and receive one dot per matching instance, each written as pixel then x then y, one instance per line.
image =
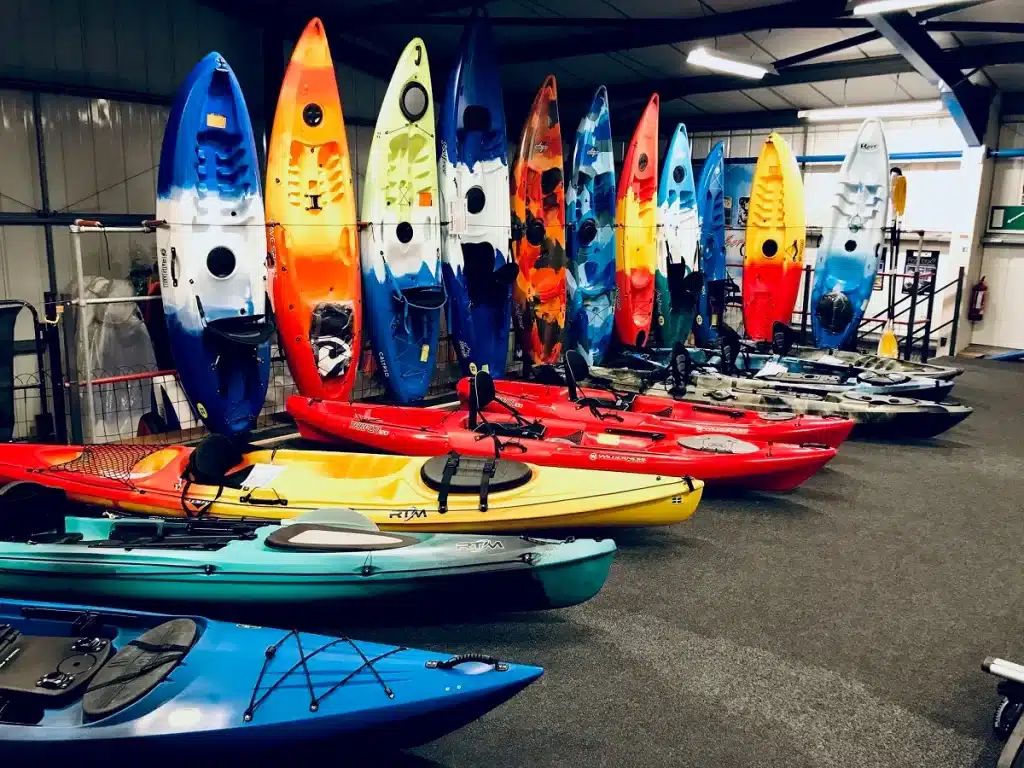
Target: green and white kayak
pixel 336 557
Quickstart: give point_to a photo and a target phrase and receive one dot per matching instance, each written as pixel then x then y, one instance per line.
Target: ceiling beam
pixel 817 53
pixel 674 88
pixel 967 103
pixel 775 16
pixel 998 27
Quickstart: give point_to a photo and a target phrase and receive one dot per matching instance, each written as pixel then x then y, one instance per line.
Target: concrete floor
pixel 842 624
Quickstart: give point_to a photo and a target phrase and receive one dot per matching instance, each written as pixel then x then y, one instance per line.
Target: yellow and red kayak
pixel 312 253
pixel 636 214
pixel 774 258
pixel 538 231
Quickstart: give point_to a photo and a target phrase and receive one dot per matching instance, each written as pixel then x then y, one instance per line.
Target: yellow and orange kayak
pixel 538 231
pixel 396 492
pixel 774 253
pixel 636 214
pixel 312 253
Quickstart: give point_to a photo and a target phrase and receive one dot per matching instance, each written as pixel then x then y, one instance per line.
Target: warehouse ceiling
pixel 823 56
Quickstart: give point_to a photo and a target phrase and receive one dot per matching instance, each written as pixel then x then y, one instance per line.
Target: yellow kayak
pixel 396 492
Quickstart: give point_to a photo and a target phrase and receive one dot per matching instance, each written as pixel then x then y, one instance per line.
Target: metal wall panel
pixel 19 162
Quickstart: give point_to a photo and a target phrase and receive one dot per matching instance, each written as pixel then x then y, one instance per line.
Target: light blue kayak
pixel 711 209
pixel 336 557
pixel 87 684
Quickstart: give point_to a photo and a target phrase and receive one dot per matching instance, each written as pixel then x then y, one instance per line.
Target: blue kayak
pixel 212 250
pixel 85 683
pixel 590 234
pixel 711 210
pixel 473 174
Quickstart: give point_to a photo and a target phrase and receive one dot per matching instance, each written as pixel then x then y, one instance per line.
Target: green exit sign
pixel 1007 218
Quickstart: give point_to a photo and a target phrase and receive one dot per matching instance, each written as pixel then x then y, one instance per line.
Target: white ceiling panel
pixel 1009 77
pixel 915 86
pixel 733 101
pixel 994 10
pixel 863 90
pixel 768 98
pixel 805 96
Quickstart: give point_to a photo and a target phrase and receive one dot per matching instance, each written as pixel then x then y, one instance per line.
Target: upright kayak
pixel 212 250
pixel 473 172
pixel 401 240
pixel 676 298
pixel 844 273
pixel 331 559
pixel 637 246
pixel 538 231
pixel 86 683
pixel 566 443
pixel 590 235
pixel 774 253
pixel 312 243
pixel 711 210
pixel 399 493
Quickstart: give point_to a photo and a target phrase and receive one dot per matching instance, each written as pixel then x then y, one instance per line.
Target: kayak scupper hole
pixel 587 232
pixel 475 200
pixel 312 115
pixel 678 174
pixel 404 232
pixel 220 261
pixel 850 246
pixel 535 232
pixel 769 248
pixel 641 164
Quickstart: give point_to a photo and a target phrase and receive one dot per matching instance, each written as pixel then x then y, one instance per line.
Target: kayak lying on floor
pixel 879 415
pixel 875 363
pixel 598 407
pixel 333 556
pixel 715 458
pixel 1008 723
pixel 87 682
pixel 397 492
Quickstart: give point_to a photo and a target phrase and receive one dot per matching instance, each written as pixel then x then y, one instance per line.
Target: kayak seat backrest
pixel 212 459
pixel 139 667
pixel 783 338
pixel 318 537
pixel 47 672
pixel 31 512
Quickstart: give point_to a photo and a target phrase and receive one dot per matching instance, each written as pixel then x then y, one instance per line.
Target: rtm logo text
pixel 408 514
pixel 478 546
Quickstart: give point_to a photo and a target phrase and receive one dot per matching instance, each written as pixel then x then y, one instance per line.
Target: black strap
pixel 450 468
pixel 485 483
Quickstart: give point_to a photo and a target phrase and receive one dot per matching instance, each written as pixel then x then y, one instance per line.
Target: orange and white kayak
pixel 312 253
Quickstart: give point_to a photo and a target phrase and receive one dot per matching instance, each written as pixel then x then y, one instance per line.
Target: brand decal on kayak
pixel 373 429
pixel 716 429
pixel 383 365
pixel 408 514
pixel 619 457
pixel 479 545
pixel 540 147
pixel 869 146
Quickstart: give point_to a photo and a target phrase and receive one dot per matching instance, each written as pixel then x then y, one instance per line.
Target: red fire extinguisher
pixel 979 294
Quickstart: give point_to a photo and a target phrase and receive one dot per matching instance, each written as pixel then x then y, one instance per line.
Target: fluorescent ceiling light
pixel 872 7
pixel 904 109
pixel 702 57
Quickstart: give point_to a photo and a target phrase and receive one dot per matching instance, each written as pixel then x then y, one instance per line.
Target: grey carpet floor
pixel 842 624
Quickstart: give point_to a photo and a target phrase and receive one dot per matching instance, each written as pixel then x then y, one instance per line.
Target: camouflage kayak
pixel 878 415
pixel 875 363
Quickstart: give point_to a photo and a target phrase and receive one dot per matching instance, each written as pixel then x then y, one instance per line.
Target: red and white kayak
pixel 714 458
pixel 601 408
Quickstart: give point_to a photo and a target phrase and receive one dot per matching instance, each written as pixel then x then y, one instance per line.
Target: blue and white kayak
pixel 844 272
pixel 85 683
pixel 711 210
pixel 400 244
pixel 473 174
pixel 590 235
pixel 212 250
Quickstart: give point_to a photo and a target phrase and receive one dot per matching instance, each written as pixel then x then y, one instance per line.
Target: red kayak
pixel 716 459
pixel 600 408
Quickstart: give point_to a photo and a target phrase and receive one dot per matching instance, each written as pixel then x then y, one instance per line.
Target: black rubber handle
pixel 653 436
pixel 465 658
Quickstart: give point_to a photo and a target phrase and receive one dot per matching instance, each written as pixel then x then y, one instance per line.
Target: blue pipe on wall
pixel 838 159
pixel 1006 153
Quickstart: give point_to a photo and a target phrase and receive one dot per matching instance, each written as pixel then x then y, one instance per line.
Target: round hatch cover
pixel 717 444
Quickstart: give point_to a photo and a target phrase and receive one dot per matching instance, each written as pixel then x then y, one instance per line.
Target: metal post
pixel 956 312
pixel 56 369
pixel 926 343
pixel 44 191
pixel 910 320
pixel 807 304
pixel 83 329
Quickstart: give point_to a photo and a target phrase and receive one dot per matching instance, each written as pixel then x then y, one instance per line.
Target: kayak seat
pixel 577 370
pixel 139 667
pixel 319 537
pixel 40 673
pixel 463 475
pixel 211 460
pixel 533 430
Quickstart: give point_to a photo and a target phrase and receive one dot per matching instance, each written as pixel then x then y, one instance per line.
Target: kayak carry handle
pixel 266 501
pixel 466 658
pixel 653 436
pixel 730 412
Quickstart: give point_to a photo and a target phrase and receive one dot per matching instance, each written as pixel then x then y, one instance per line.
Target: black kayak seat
pixel 466 478
pixel 138 667
pixel 47 672
pixel 212 459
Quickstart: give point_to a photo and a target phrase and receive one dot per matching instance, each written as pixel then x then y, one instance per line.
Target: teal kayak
pixel 326 556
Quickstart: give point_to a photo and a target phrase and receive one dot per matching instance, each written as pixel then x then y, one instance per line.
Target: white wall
pixel 1003 254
